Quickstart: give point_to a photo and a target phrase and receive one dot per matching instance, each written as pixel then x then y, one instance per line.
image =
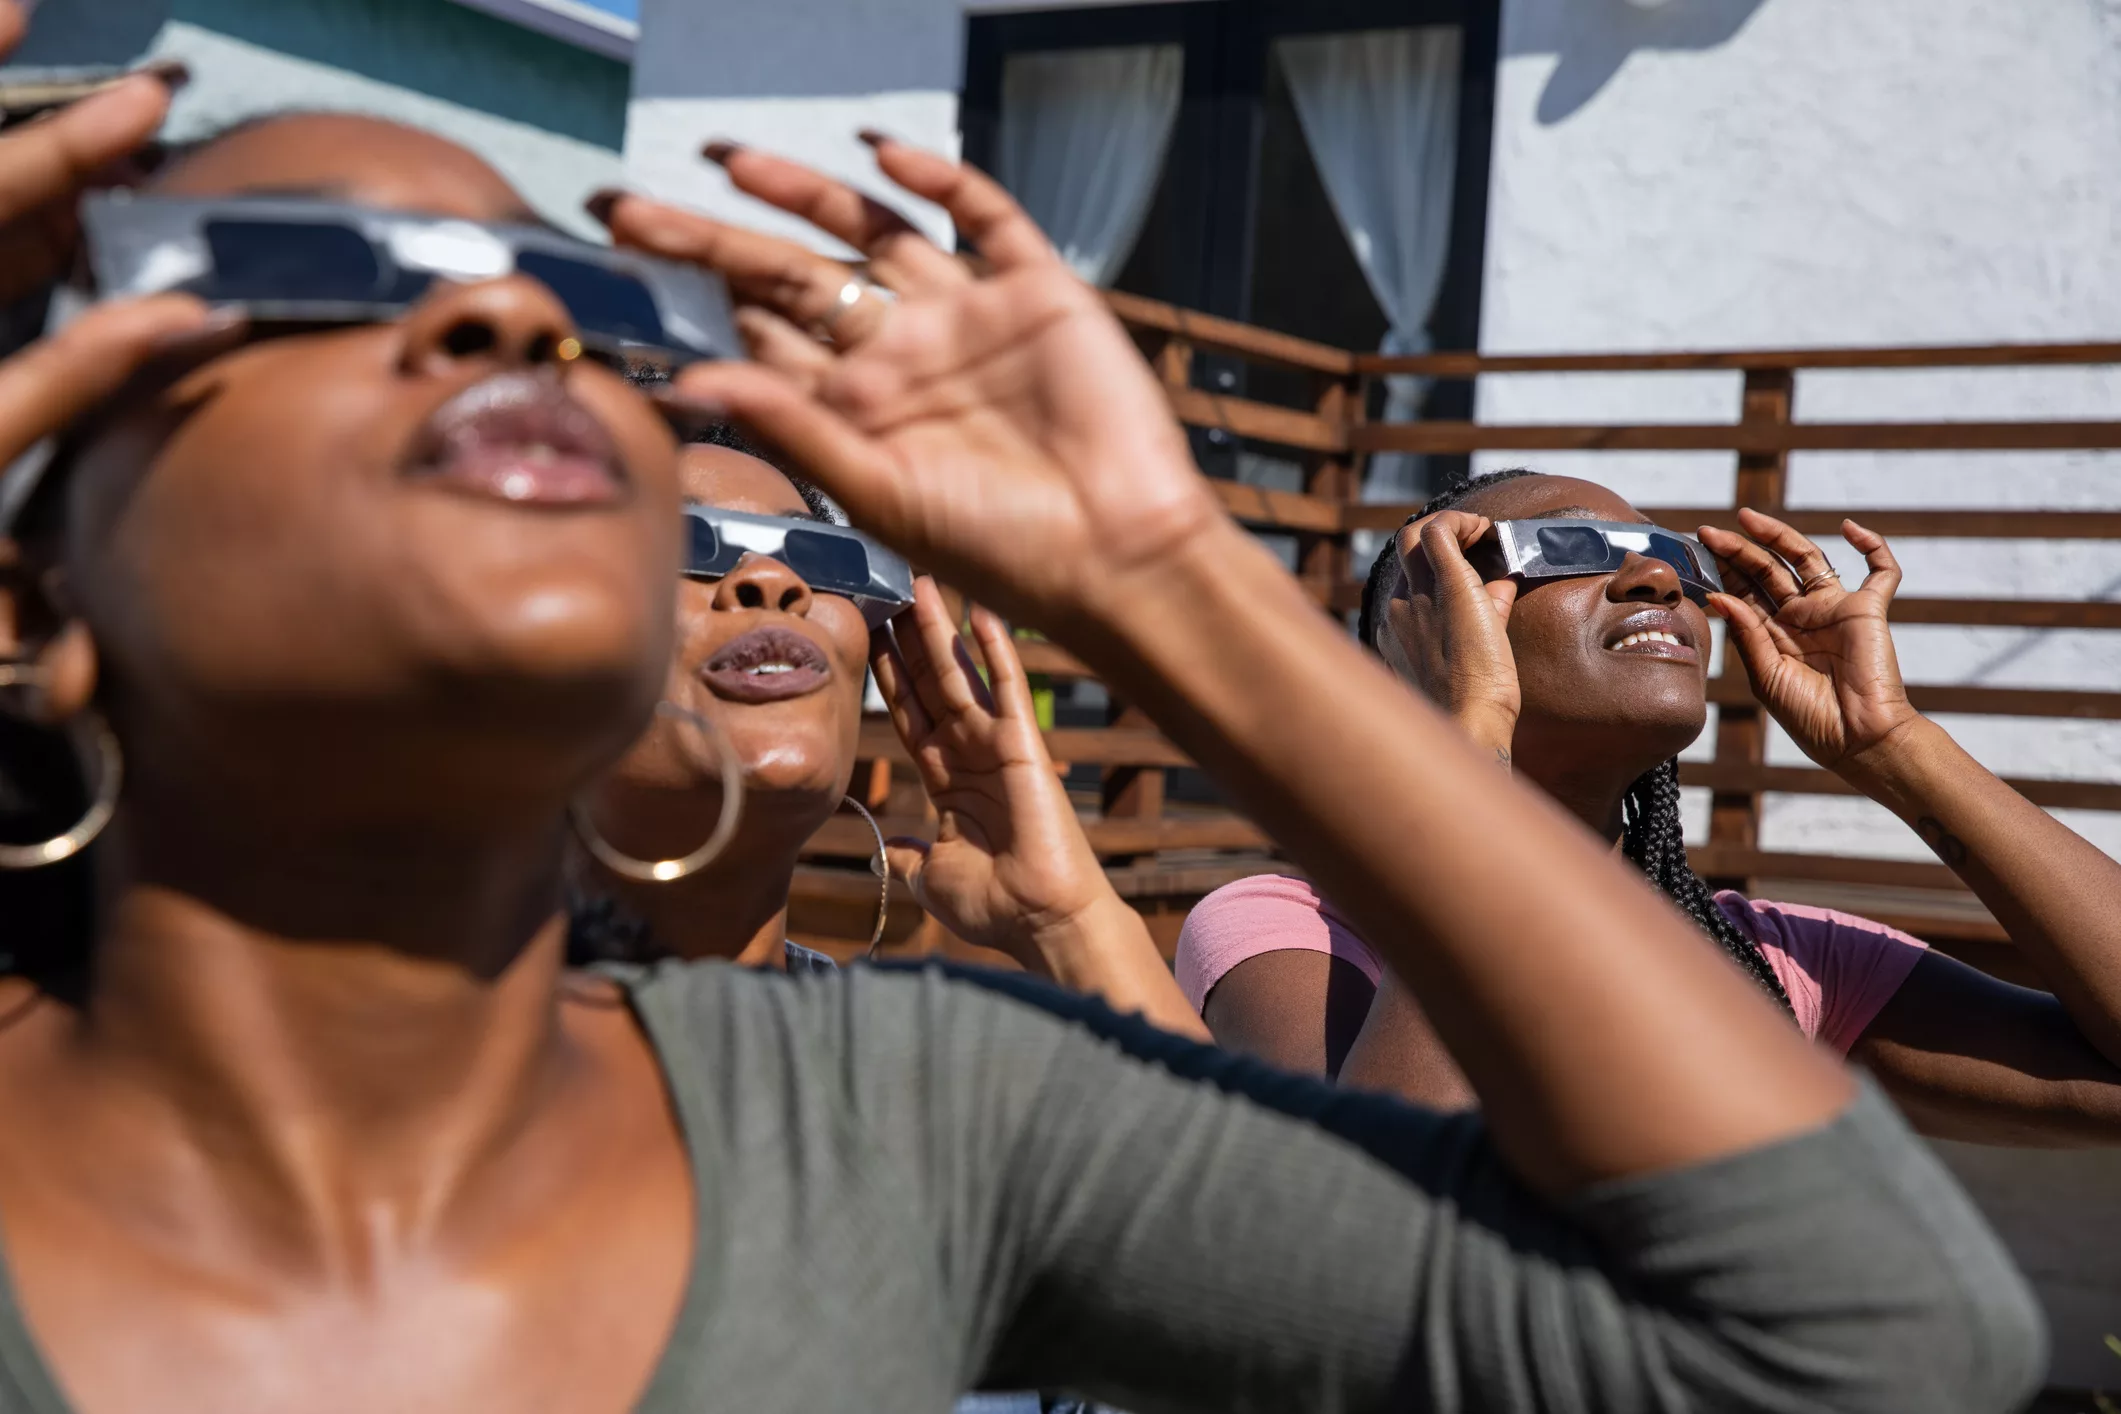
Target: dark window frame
pixel 1215 145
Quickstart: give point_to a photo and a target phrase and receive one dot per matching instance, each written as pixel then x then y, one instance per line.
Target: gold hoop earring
pixel 110 778
pixel 669 871
pixel 881 867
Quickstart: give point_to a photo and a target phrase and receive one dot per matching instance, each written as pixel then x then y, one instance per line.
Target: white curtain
pixel 1082 142
pixel 1379 109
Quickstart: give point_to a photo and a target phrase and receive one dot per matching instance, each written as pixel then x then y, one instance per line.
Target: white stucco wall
pixel 1730 173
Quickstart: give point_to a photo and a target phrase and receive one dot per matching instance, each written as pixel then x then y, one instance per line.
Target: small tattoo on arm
pixel 1947 846
pixel 1502 757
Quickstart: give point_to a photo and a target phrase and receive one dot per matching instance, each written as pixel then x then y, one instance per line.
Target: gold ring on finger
pixel 851 295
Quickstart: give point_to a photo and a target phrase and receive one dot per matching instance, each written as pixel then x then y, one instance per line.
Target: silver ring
pixel 851 294
pixel 1821 581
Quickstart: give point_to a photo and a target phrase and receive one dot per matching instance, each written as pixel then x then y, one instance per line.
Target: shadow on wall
pixel 1591 39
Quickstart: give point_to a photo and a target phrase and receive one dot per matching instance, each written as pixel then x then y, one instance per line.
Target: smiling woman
pixel 1570 639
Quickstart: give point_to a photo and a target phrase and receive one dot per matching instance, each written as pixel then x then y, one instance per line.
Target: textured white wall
pixel 798 77
pixel 1730 173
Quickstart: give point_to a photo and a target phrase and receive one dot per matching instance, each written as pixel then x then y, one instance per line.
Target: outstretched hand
pixel 1001 429
pixel 1819 656
pixel 1009 864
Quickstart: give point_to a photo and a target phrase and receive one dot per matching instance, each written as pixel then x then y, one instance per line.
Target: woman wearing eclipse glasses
pixel 1570 639
pixel 364 605
pixel 778 609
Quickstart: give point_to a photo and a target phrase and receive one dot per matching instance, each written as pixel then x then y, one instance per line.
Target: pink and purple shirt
pixel 1838 969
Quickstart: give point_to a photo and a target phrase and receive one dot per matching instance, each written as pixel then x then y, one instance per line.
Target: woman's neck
pixel 736 908
pixel 1588 787
pixel 344 1028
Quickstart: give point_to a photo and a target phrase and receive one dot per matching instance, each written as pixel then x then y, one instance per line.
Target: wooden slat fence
pixel 1164 854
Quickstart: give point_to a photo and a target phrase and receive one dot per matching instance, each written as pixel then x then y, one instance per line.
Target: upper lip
pixel 1657 620
pixel 516 410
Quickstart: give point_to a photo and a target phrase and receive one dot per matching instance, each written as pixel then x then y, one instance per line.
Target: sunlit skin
pixel 664 798
pixel 331 1131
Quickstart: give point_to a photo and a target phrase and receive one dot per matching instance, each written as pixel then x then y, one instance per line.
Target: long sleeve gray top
pixel 914 1182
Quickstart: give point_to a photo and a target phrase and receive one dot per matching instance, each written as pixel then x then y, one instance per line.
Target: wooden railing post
pixel 1741 730
pixel 1322 558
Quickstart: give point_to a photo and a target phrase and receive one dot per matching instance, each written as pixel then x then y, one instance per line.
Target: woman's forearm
pixel 1106 952
pixel 1448 869
pixel 2057 895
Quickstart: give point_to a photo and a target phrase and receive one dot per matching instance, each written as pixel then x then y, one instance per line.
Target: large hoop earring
pixel 881 867
pixel 109 776
pixel 669 871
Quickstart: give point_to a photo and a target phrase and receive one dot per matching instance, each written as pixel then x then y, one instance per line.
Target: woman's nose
pixel 762 582
pixel 1643 580
pixel 508 323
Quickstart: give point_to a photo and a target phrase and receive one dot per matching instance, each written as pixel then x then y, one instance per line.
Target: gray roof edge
pixel 569 21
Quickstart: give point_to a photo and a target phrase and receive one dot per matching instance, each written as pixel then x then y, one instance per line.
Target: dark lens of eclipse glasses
pixel 829 562
pixel 1675 553
pixel 265 260
pixel 602 302
pixel 1572 547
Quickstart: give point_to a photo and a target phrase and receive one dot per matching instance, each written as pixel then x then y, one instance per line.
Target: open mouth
pixel 1654 633
pixel 766 665
pixel 520 438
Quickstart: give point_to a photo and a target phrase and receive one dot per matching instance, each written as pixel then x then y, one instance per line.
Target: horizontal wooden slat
pixel 1943 525
pixel 1205 331
pixel 2009 613
pixel 846 836
pixel 1731 861
pixel 1040 656
pixel 1446 437
pixel 1468 365
pixel 1806 780
pixel 1938 525
pixel 1346 597
pixel 1983 701
pixel 1096 746
pixel 1262 422
pixel 1278 510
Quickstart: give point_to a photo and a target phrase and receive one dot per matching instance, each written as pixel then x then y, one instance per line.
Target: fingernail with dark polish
pixel 600 202
pixel 720 151
pixel 874 137
pixel 173 74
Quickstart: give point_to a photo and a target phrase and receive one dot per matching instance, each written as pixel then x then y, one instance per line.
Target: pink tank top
pixel 1838 969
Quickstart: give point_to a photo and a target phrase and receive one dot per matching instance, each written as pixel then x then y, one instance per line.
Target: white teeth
pixel 1652 636
pixel 770 669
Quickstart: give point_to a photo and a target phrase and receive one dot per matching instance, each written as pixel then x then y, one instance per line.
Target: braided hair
pixel 1651 835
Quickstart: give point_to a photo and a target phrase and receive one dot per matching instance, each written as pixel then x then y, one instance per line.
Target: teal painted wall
pixel 431 47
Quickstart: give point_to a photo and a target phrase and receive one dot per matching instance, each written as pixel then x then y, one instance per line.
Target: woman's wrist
pixel 1897 761
pixel 1492 731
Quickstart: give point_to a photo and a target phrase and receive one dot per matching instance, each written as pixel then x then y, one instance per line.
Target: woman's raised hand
pixel 45 164
pixel 1461 659
pixel 1819 656
pixel 1010 867
pixel 1000 428
pixel 1009 863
